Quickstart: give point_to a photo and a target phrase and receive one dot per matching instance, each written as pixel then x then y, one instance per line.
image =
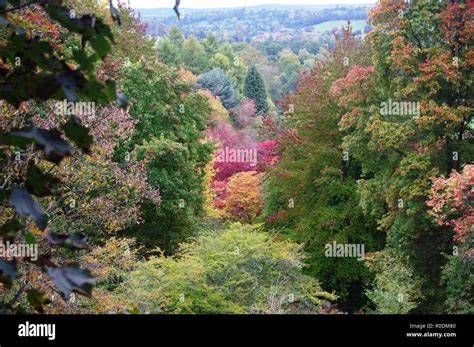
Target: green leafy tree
pixel 458 278
pixel 169 53
pixel 176 37
pixel 221 61
pixel 311 193
pixel 290 66
pixel 168 138
pixel 211 45
pixel 194 56
pixel 396 289
pixel 239 270
pixel 400 150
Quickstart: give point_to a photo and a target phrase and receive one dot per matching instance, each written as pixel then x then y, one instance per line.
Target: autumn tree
pixel 451 206
pixel 399 150
pixel 311 193
pixel 85 196
pixel 37 68
pixel 243 201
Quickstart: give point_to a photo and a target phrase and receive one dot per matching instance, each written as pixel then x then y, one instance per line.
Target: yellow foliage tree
pixel 244 198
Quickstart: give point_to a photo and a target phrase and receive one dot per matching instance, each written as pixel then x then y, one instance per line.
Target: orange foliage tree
pixel 244 199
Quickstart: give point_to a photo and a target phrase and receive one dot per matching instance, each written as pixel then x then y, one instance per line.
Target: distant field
pixel 325 26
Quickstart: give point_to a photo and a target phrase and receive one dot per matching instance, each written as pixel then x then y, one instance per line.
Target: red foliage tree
pixel 451 202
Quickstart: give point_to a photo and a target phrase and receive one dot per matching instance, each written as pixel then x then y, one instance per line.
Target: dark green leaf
pixel 8 271
pixel 18 88
pixel 9 230
pixel 37 299
pixel 11 226
pixel 54 147
pixel 78 133
pixel 71 81
pixel 92 29
pixel 30 238
pixel 3 159
pixel 24 204
pixel 72 278
pixel 39 183
pixel 12 140
pixel 74 241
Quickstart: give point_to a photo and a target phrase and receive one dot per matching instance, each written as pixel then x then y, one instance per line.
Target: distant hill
pixel 166 12
pixel 291 25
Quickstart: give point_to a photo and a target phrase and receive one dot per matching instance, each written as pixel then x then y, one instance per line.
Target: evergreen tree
pixel 176 37
pixel 211 45
pixel 220 84
pixel 254 89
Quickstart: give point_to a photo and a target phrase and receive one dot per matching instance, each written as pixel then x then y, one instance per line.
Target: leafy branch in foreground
pixel 32 68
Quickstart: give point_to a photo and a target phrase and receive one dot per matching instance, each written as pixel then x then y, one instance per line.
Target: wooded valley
pixel 236 161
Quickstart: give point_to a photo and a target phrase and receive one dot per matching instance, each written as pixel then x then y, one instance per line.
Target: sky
pixel 237 3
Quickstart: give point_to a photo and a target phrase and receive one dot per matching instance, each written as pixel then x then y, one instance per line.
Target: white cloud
pixel 237 3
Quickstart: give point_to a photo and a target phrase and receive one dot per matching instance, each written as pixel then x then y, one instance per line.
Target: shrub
pixel 240 270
